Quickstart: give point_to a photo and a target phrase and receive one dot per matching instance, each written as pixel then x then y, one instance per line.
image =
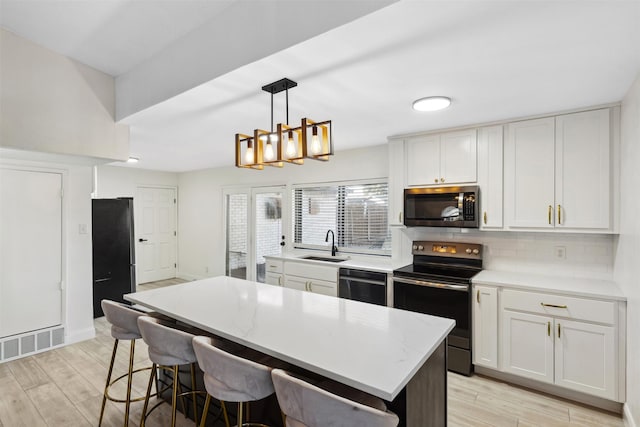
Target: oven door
pixel 450 300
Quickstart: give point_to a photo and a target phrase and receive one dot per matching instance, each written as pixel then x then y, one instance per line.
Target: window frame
pixel 338 237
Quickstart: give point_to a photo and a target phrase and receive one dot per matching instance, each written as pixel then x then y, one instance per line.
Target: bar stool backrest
pixel 229 377
pixel 123 320
pixel 167 346
pixel 306 405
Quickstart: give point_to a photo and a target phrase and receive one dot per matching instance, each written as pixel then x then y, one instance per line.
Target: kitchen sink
pixel 322 258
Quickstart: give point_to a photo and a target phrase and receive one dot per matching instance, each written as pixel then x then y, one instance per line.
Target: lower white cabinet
pixel 485 326
pixel 567 341
pixel 320 279
pixel 276 279
pixel 273 273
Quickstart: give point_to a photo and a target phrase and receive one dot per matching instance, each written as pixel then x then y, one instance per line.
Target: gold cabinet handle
pixel 400 217
pixel 552 305
pixel 549 211
pixel 558 330
pixel 310 290
pixel 548 329
pixel 478 296
pixel 279 280
pixel 485 217
pixel 559 215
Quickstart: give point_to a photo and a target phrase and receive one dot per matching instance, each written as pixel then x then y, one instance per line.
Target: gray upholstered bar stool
pixel 231 377
pixel 168 349
pixel 308 405
pixel 124 326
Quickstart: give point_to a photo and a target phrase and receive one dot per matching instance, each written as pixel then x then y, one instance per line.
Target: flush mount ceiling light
pixel 133 160
pixel 431 103
pixel 287 144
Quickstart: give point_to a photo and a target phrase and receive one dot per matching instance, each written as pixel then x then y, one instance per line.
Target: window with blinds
pixel 356 212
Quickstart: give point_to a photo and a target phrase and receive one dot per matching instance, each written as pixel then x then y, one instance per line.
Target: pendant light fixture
pixel 287 144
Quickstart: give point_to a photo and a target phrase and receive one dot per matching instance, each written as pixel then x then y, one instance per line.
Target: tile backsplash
pixel 560 254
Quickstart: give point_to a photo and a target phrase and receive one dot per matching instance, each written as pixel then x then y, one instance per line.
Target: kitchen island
pixel 389 353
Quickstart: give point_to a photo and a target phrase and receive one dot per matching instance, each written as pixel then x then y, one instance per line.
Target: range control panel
pixel 447 249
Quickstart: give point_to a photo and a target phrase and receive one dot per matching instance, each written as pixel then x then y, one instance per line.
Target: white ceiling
pixel 495 59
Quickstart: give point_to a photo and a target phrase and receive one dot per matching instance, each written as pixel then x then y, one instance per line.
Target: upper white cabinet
pixel 557 172
pixel 397 181
pixel 583 182
pixel 490 178
pixel 449 158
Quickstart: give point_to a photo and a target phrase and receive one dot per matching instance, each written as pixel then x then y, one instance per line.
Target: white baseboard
pixel 189 277
pixel 80 335
pixel 627 416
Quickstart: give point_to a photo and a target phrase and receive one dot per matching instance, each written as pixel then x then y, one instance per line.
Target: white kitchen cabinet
pixel 583 192
pixel 304 276
pixel 485 326
pixel 276 279
pixel 562 340
pixel 529 173
pixel 557 172
pixel 449 158
pixel 490 176
pixel 397 181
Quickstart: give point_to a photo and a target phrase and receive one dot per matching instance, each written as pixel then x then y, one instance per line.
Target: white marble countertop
pixel 583 287
pixel 372 348
pixel 379 264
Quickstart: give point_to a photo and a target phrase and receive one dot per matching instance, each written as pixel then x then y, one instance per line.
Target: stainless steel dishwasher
pixel 363 285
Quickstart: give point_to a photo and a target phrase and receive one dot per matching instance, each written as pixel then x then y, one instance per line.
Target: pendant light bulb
pixel 248 156
pixel 291 146
pixel 316 148
pixel 268 151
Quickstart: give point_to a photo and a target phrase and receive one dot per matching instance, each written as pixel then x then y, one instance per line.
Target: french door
pixel 254 229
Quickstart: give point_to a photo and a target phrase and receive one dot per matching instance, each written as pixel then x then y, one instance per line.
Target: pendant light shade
pixel 287 144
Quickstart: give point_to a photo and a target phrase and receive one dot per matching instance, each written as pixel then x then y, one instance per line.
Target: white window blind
pixel 357 213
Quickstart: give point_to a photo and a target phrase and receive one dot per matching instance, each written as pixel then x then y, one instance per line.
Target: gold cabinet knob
pixel 435 180
pixel 441 179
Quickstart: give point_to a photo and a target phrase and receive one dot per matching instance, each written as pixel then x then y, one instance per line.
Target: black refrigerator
pixel 114 259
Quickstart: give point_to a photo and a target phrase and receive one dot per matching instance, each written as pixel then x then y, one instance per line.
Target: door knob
pixel 143 240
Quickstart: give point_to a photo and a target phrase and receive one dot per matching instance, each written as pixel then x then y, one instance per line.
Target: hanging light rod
pixel 310 140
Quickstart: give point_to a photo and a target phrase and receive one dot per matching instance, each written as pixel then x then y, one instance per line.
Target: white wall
pixel 117 181
pixel 627 265
pixel 53 104
pixel 76 256
pixel 200 214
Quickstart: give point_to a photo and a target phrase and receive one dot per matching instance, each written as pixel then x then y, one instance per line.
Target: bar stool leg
pixel 174 399
pixel 193 389
pixel 106 387
pixel 129 381
pixel 146 398
pixel 240 409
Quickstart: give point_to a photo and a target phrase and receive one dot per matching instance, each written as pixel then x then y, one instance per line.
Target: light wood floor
pixel 63 387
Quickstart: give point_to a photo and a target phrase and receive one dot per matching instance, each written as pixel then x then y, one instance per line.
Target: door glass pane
pixel 236 262
pixel 268 229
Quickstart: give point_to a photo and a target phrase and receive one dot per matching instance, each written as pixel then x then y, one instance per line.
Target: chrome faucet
pixel 334 249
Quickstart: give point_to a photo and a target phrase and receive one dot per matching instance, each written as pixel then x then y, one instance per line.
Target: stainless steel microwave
pixel 442 207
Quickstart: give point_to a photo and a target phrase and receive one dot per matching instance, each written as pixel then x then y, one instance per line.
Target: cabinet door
pixel 458 157
pixel 298 283
pixel 583 195
pixel 485 327
pixel 273 278
pixel 527 345
pixel 586 358
pixel 529 174
pixel 490 143
pixel 396 182
pixel 323 287
pixel 423 160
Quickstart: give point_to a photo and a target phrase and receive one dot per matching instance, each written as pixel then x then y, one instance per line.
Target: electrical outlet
pixel 561 252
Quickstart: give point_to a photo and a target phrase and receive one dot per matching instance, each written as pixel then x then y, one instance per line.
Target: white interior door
pixel 156 233
pixel 30 250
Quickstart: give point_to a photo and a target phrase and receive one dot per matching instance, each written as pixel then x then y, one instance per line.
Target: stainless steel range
pixel 439 283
